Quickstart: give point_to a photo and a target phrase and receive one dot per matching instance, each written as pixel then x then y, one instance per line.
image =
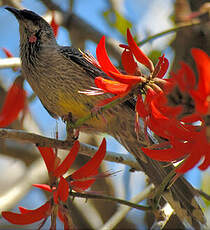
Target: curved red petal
pixel 139 55
pixel 29 217
pixel 128 62
pixel 89 169
pixel 81 186
pixel 110 86
pixel 126 79
pixel 54 25
pixel 68 161
pixel 201 94
pixel 202 61
pixel 43 187
pixel 206 162
pixel 103 58
pixel 23 210
pixel 189 163
pixel 49 157
pixel 14 103
pixel 192 118
pixel 167 155
pixel 63 189
pixel 163 67
pixel 190 79
pixel 7 52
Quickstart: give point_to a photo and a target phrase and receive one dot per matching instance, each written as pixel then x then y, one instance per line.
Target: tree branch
pixel 110 198
pixel 12 62
pixel 181 26
pixel 85 149
pixel 202 193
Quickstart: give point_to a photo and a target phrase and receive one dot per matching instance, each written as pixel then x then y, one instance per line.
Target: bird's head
pixel 33 28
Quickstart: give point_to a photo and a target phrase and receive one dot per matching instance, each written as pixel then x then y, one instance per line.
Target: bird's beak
pixel 14 11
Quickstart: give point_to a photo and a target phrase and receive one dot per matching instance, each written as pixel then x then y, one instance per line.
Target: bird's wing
pixel 78 57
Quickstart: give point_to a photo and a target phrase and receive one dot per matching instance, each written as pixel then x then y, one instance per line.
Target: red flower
pixel 80 180
pixel 54 25
pixel 122 84
pixel 84 177
pixel 52 162
pixel 13 104
pixel 28 216
pixel 185 140
pixel 192 150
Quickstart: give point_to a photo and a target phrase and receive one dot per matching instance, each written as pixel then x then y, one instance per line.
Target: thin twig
pixel 171 30
pixel 110 198
pixel 202 193
pixel 85 149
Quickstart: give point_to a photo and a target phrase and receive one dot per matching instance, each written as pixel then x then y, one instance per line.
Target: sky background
pixel 152 18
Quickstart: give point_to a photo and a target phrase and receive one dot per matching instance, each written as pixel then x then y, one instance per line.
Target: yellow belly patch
pixel 78 108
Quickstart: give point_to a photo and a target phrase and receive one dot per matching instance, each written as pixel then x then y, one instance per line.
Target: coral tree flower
pixel 60 187
pixel 186 140
pixel 14 103
pixel 121 84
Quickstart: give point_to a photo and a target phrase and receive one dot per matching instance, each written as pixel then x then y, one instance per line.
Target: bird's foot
pixel 98 110
pixel 72 134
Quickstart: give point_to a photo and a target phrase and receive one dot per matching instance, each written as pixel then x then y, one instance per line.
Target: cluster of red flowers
pixel 60 187
pixel 186 140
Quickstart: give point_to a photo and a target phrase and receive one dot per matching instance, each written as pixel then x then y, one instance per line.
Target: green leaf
pixel 117 21
pixel 154 55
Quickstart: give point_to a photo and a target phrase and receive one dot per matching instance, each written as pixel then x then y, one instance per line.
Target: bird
pixel 57 74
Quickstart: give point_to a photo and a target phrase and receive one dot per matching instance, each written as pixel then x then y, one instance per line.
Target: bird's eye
pixel 32 38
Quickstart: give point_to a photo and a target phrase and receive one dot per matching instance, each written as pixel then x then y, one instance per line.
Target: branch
pixel 122 211
pixel 110 198
pixel 13 3
pixel 202 193
pixel 12 62
pixel 171 30
pixel 85 149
